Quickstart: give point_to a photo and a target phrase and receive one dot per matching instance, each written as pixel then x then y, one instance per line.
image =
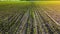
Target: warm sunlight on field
pixel 47 2
pixel 51 7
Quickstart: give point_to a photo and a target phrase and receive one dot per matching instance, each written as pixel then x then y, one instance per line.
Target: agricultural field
pixel 27 18
pixel 52 9
pixel 56 13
